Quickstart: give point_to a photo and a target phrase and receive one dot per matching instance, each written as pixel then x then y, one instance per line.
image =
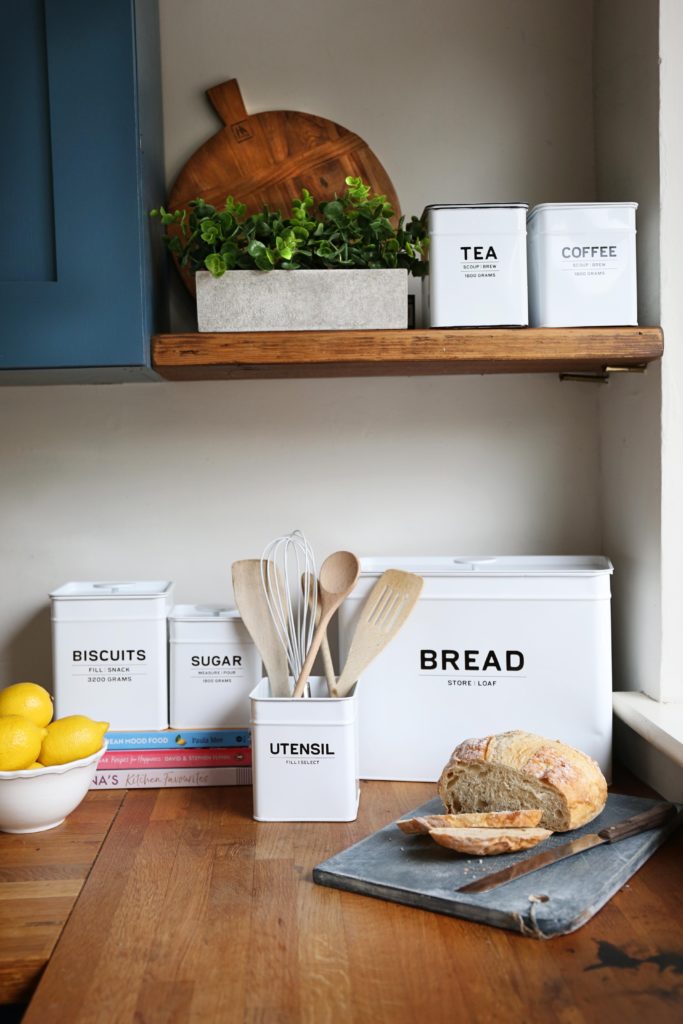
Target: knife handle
pixel 657 815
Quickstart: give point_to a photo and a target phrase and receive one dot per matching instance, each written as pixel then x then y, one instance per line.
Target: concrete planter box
pixel 302 300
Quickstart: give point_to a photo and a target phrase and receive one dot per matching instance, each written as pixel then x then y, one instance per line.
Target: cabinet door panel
pixel 26 167
pixel 75 287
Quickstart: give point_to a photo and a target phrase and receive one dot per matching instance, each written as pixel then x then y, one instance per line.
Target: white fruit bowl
pixel 35 800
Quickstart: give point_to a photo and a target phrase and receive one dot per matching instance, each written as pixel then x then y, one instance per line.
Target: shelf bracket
pixel 603 376
pixel 585 378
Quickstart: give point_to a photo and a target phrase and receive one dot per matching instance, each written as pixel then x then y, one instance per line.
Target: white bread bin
pixel 493 644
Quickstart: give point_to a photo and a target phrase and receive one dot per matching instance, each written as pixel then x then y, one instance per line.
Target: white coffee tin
pixel 477 266
pixel 213 667
pixel 109 651
pixel 494 643
pixel 304 755
pixel 582 264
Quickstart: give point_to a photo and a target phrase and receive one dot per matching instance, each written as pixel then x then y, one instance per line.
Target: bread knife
pixel 657 815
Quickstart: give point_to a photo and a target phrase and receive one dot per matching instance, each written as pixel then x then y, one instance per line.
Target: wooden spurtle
pixel 328 664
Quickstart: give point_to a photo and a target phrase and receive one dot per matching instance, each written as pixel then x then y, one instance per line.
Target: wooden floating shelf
pixel 282 354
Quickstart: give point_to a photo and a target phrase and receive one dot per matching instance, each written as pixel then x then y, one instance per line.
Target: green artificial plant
pixel 351 231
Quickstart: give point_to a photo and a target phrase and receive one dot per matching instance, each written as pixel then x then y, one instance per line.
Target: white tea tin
pixel 477 266
pixel 109 651
pixel 582 264
pixel 493 644
pixel 304 755
pixel 213 667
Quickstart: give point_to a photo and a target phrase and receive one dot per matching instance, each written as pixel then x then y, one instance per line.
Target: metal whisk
pixel 290 582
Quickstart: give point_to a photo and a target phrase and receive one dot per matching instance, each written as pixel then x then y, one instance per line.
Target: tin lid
pixel 475 206
pixel 568 207
pixel 113 589
pixel 202 613
pixel 492 565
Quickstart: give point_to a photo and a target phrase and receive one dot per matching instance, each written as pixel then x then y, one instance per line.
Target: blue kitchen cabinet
pixel 80 167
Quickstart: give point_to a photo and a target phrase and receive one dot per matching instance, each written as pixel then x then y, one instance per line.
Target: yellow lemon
pixel 70 738
pixel 36 764
pixel 20 741
pixel 29 700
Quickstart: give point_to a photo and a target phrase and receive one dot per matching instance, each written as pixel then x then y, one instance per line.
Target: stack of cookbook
pixel 173 757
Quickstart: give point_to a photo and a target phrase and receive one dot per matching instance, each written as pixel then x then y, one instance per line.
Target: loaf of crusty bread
pixel 483 842
pixel 515 770
pixel 492 819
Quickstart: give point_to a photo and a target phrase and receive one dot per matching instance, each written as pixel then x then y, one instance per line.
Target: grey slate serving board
pixel 553 901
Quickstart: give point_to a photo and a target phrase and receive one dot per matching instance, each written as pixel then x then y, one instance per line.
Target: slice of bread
pixel 514 770
pixel 489 819
pixel 484 842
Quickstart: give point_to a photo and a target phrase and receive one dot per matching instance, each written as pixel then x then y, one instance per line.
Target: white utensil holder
pixel 304 755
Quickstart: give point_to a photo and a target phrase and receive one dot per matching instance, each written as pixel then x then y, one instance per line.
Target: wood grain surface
pixel 41 875
pixel 194 912
pixel 402 353
pixel 267 158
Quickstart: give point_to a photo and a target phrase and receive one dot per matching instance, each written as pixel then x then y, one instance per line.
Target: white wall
pixel 671 158
pixel 627 166
pixel 462 101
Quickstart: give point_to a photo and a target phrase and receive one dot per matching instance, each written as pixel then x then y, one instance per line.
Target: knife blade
pixel 657 815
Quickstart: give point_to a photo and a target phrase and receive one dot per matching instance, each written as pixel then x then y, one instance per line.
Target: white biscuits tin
pixel 582 264
pixel 477 266
pixel 493 644
pixel 213 667
pixel 109 650
pixel 304 755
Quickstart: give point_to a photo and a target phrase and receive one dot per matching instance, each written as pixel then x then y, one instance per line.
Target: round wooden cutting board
pixel 268 158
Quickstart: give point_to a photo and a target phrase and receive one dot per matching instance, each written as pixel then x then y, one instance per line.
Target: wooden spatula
pixel 250 599
pixel 389 604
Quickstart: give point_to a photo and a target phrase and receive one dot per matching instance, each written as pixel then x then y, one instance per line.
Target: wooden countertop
pixel 191 911
pixel 41 875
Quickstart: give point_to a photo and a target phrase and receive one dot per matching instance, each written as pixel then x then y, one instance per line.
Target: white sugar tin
pixel 109 651
pixel 477 266
pixel 582 264
pixel 213 667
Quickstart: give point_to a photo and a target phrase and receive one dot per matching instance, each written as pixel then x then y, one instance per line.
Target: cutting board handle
pixel 227 101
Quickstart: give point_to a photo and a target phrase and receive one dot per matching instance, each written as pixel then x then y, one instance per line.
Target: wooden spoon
pixel 251 601
pixel 338 575
pixel 387 607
